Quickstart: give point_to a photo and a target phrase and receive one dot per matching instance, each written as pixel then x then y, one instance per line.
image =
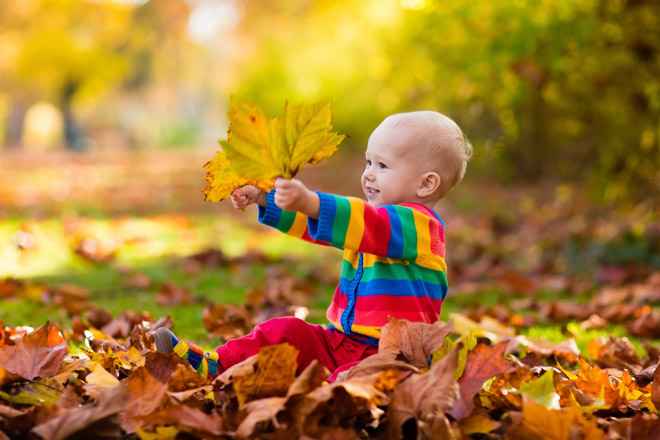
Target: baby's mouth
pixel 371 191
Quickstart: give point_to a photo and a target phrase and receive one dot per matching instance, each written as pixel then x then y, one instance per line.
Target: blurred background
pixel 544 89
pixel 110 108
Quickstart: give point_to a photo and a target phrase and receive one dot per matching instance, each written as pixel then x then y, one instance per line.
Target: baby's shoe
pixel 206 363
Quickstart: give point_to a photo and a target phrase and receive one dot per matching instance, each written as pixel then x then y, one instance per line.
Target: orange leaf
pixel 273 372
pixel 539 422
pixel 593 381
pixel 482 363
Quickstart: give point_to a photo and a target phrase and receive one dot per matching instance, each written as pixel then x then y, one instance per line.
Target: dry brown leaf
pixel 310 379
pixel 146 394
pixel 341 403
pixel 415 341
pixel 567 349
pixel 227 321
pixel 185 377
pixel 375 364
pixel 615 353
pixel 187 418
pixel 655 387
pixel 273 372
pixel 641 426
pixel 646 323
pixel 260 411
pixel 33 356
pixel 163 365
pixel 425 398
pixel 93 420
pixel 171 295
pixel 265 410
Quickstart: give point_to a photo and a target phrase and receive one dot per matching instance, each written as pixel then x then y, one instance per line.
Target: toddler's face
pixel 392 174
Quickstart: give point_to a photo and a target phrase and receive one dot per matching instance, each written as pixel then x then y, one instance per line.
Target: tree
pixel 71 51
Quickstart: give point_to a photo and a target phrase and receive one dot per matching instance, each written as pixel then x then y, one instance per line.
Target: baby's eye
pixel 368 163
pixel 382 165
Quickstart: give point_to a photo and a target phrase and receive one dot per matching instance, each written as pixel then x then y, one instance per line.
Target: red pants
pixel 331 348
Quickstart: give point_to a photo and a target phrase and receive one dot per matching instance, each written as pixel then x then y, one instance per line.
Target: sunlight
pixel 209 18
pixel 416 5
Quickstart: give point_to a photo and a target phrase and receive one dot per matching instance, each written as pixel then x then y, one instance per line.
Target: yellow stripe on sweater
pixel 433 262
pixel 355 229
pixel 423 235
pixel 373 332
pixel 368 260
pixel 425 257
pixel 299 226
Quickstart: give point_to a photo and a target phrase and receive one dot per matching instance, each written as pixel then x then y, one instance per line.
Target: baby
pixel 394 247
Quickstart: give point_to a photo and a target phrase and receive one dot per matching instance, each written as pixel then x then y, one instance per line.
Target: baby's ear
pixel 430 183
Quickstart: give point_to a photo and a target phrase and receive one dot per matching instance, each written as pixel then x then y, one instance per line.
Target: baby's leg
pixel 311 340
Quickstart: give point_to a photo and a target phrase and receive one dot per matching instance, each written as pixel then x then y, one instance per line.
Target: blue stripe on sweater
pixel 419 288
pixel 395 248
pixel 271 214
pixel 322 229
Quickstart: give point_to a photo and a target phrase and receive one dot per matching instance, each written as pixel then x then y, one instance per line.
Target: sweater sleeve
pixel 289 222
pixel 408 231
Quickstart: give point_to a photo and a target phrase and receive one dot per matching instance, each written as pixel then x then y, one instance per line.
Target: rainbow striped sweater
pixel 393 260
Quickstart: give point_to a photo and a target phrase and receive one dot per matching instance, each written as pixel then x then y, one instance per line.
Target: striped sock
pixel 206 363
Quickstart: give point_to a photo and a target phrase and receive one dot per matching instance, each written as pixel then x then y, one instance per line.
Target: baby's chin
pixel 373 200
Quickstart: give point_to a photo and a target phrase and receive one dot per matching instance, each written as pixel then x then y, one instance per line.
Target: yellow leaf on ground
pixel 478 423
pixel 539 422
pixel 258 149
pixel 98 380
pixel 160 433
pixel 130 359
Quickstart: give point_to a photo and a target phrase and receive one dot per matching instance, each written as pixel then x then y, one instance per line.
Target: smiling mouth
pixel 371 191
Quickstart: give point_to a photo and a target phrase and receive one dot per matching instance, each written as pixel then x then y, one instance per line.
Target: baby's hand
pixel 244 196
pixel 293 195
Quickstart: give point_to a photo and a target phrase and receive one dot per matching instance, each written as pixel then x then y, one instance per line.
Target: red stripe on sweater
pixel 378 221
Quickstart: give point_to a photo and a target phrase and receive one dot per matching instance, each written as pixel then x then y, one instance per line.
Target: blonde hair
pixel 441 146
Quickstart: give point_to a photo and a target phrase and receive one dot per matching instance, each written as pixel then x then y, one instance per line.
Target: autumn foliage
pixel 499 387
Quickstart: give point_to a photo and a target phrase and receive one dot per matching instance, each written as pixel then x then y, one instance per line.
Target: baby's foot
pixel 206 363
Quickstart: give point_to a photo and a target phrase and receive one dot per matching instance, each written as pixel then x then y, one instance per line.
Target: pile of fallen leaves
pixel 427 381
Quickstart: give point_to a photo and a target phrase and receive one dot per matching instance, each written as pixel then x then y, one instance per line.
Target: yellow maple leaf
pixel 259 149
